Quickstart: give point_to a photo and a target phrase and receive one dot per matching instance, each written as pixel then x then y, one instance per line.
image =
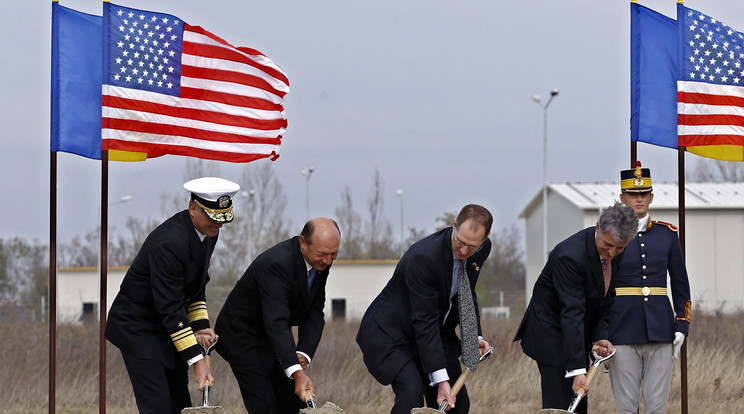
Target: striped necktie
pixel 607 273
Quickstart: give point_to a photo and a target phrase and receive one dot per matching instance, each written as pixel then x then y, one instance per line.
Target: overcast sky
pixel 435 94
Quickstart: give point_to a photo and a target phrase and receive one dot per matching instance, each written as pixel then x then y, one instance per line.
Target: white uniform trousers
pixel 646 367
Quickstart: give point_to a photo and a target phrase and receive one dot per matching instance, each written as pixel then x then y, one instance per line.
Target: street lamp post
pixel 307 173
pixel 537 99
pixel 399 193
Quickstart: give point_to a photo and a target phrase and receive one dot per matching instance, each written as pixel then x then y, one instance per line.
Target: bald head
pixel 319 242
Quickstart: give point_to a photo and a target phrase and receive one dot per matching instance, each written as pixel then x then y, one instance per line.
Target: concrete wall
pixel 78 286
pixel 356 283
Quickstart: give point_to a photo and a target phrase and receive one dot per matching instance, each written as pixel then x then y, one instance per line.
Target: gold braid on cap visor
pixel 226 212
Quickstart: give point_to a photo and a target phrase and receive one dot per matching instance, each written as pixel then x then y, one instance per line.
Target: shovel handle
pixel 309 399
pixel 460 382
pixel 589 376
pixel 207 382
pixel 456 387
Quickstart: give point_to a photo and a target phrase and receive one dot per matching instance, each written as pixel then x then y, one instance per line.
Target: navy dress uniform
pixel 644 323
pixel 161 302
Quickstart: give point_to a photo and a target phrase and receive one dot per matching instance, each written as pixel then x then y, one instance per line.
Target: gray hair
pixel 621 220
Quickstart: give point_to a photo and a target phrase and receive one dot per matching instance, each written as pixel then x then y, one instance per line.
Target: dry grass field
pixel 506 383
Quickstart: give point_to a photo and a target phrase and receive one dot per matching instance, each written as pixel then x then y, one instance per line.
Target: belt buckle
pixel 645 291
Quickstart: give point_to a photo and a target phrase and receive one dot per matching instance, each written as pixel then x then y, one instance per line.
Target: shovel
pixel 309 399
pixel 205 408
pixel 592 370
pixel 462 378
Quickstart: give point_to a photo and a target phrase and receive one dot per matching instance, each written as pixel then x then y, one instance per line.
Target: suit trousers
pixel 411 387
pixel 646 367
pixel 157 388
pixel 267 394
pixel 557 391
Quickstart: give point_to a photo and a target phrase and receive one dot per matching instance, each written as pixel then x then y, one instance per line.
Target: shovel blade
pixel 203 410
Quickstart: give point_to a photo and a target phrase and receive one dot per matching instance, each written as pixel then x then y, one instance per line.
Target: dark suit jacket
pixel 161 301
pixel 568 310
pixel 406 320
pixel 255 323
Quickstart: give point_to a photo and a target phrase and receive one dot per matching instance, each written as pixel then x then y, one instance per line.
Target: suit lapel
pixel 448 263
pixel 300 271
pixel 595 263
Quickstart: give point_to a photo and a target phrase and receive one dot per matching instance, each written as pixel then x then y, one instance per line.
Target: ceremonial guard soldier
pixel 647 330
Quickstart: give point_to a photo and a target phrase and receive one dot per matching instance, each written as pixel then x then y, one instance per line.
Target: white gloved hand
pixel 679 339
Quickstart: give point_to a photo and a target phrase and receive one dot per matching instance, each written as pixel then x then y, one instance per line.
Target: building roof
pixel 598 195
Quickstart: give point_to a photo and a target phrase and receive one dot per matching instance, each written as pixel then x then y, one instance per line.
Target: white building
pixel 351 287
pixel 714 232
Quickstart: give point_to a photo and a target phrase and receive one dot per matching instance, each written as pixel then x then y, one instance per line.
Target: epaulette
pixel 671 226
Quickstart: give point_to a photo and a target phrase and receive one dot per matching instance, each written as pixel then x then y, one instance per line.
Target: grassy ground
pixel 507 383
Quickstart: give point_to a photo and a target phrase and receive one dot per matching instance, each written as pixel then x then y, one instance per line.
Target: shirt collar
pixel 307 265
pixel 643 222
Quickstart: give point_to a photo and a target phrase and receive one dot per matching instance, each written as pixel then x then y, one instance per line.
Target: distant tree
pixel 23 269
pixel 81 250
pixel 123 248
pixel 446 220
pixel 379 235
pixel 260 222
pixel 174 200
pixel 349 222
pixel 504 269
pixel 708 169
pixel 414 235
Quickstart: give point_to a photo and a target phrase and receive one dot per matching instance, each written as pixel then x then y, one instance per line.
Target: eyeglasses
pixel 459 244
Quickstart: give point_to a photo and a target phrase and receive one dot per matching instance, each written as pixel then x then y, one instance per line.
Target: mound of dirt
pixel 327 408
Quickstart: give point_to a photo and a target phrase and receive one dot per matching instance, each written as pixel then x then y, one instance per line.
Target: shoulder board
pixel 671 226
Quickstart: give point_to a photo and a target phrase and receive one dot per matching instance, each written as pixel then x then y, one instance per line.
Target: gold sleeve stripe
pixel 183 339
pixel 200 303
pixel 198 311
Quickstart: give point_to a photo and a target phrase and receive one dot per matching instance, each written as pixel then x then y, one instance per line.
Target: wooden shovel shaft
pixel 309 399
pixel 460 382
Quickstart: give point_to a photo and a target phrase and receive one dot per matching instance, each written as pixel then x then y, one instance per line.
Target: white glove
pixel 679 339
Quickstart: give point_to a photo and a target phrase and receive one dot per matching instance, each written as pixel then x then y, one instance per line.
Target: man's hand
pixel 679 339
pixel 605 348
pixel 206 337
pixel 302 384
pixel 444 393
pixel 483 346
pixel 579 382
pixel 203 374
pixel 303 360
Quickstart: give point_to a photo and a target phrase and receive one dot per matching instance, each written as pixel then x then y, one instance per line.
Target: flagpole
pixel 682 227
pixel 52 280
pixel 681 195
pixel 103 302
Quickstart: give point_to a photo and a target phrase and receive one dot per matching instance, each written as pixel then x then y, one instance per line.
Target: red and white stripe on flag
pixel 216 102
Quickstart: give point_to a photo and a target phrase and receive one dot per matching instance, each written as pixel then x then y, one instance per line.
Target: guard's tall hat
pixel 214 196
pixel 637 180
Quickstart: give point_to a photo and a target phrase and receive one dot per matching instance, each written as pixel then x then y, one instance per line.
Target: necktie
pixel 607 273
pixel 468 323
pixel 310 278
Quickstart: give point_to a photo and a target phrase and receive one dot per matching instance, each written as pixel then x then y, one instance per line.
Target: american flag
pixel 173 88
pixel 710 89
